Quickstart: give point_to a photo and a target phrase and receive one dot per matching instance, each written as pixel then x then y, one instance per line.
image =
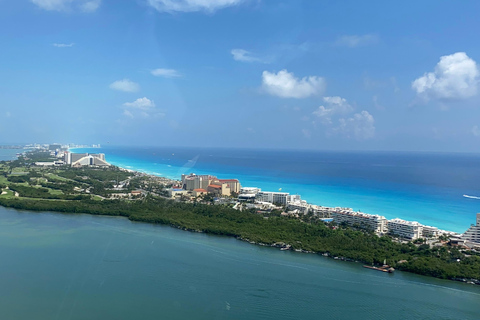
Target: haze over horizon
pixel 241 73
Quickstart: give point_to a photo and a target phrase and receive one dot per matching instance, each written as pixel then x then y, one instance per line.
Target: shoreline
pixel 303 234
pixel 429 222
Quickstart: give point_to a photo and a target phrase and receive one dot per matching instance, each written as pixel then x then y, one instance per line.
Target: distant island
pixel 86 183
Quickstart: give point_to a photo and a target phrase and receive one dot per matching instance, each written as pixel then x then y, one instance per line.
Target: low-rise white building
pixel 301 206
pixel 250 190
pixel 273 197
pixel 428 231
pixel 172 192
pixel 405 229
pixel 374 222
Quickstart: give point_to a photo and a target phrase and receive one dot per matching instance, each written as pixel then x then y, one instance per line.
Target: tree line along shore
pixel 91 190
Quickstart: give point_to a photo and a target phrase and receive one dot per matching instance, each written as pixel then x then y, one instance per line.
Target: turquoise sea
pixel 424 187
pixel 67 266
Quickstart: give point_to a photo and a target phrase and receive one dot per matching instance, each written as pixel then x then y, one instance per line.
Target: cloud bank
pixel 66 5
pixel 209 6
pixel 285 85
pixel 455 76
pixel 244 56
pixel 142 108
pixel 334 105
pixel 334 115
pixel 361 126
pixel 125 85
pixel 166 73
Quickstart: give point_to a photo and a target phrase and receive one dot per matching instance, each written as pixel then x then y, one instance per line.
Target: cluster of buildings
pixel 65 157
pixel 194 186
pixel 379 224
pixel 197 185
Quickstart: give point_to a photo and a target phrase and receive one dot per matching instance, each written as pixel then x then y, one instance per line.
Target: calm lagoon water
pixel 58 266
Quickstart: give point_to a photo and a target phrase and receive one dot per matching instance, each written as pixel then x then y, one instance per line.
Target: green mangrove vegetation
pixel 93 190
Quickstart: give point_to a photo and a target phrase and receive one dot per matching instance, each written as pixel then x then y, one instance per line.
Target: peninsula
pixel 35 182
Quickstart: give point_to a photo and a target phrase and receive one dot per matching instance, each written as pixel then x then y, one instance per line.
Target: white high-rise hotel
pixel 473 233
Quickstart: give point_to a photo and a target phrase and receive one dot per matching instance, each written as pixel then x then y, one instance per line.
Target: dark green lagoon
pixel 56 266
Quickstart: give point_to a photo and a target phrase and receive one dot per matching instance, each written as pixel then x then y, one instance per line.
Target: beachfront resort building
pixel 85 159
pixel 233 184
pixel 250 190
pixel 220 187
pixel 192 181
pixel 374 222
pixel 405 229
pixel 430 232
pixel 473 233
pixel 281 198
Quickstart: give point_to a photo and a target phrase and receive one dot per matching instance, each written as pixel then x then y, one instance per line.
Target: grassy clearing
pixel 54 177
pixel 8 194
pixel 20 170
pixel 4 180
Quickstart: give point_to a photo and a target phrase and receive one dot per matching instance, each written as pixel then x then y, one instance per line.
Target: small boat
pixel 384 268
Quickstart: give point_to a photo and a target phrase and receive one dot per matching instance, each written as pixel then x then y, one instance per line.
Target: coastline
pixel 303 234
pixel 430 210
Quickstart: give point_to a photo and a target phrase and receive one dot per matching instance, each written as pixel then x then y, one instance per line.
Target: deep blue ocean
pixel 424 187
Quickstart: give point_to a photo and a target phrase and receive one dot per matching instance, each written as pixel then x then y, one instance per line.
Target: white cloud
pixel 284 84
pixel 360 126
pixel 244 56
pixel 337 118
pixel 142 108
pixel 141 103
pixel 66 5
pixel 125 85
pixel 63 45
pixel 334 105
pixel 128 113
pixel 90 6
pixel 476 131
pixel 192 5
pixel 166 73
pixel 456 76
pixel 353 41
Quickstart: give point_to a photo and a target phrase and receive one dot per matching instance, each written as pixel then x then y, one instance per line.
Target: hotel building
pixel 405 229
pixel 273 197
pixel 85 159
pixel 473 233
pixel 192 181
pixel 376 223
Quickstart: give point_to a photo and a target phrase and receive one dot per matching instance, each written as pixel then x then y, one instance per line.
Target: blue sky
pixel 242 73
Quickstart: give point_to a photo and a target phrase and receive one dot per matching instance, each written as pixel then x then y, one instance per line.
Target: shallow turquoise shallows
pixel 59 266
